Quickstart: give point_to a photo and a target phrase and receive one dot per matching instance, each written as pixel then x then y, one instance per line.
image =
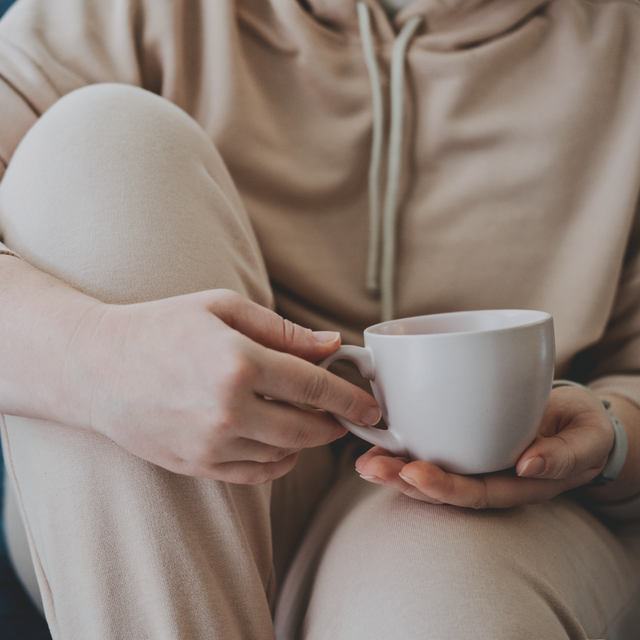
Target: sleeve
pixel 612 366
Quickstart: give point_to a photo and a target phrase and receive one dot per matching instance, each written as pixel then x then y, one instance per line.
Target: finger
pixel 578 451
pixel 245 450
pixel 247 472
pixel 495 491
pixel 374 452
pixel 270 329
pixel 385 469
pixel 292 379
pixel 282 426
pixel 429 483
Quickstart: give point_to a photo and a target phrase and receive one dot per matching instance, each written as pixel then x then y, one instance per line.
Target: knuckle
pixel 286 465
pixel 564 467
pixel 352 407
pixel 481 497
pixel 315 388
pixel 289 332
pixel 261 474
pixel 225 420
pixel 239 373
pixel 302 437
pixel 225 298
pixel 276 470
pixel 479 503
pixel 279 454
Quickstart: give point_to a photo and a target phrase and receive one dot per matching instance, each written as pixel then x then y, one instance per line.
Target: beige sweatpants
pixel 122 195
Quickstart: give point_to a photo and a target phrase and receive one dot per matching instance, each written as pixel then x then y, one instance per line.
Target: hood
pixel 447 24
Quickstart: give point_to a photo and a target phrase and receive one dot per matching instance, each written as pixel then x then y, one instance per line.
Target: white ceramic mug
pixel 464 390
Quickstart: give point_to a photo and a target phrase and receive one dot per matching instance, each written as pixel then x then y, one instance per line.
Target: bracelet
pixel 618 453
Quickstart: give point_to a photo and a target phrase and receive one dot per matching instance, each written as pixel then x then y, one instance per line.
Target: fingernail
pixel 533 467
pixel 410 481
pixel 370 477
pixel 326 337
pixel 371 416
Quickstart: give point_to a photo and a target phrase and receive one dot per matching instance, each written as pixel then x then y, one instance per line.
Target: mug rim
pixel 543 316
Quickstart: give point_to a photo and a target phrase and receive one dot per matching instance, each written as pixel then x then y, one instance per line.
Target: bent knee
pixel 402 565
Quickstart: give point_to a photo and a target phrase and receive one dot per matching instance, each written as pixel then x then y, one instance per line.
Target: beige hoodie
pixel 520 161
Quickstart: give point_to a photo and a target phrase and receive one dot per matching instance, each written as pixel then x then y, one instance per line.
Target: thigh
pixel 393 567
pixel 121 194
pixel 123 548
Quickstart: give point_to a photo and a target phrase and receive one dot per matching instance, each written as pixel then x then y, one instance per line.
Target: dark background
pixel 4 5
pixel 19 620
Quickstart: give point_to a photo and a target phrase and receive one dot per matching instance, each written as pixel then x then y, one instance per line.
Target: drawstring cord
pixel 381 269
pixel 373 262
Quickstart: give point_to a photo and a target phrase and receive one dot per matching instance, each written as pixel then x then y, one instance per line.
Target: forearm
pixel 39 317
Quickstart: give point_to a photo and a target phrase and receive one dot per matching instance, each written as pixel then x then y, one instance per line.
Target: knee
pixel 110 182
pixel 99 125
pixel 404 565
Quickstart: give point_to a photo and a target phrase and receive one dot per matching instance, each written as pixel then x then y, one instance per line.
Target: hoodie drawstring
pixel 382 255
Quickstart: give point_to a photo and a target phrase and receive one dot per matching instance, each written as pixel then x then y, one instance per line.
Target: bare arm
pixel 201 384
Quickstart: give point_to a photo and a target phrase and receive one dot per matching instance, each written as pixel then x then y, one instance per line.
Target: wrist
pixel 627 484
pixel 39 317
pixel 80 359
pixel 617 455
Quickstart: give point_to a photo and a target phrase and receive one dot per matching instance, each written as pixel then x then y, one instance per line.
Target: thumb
pixel 571 453
pixel 270 329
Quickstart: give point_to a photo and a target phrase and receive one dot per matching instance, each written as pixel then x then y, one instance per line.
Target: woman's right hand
pixel 204 385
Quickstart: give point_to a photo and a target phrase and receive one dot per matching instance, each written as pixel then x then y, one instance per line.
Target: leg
pixel 122 195
pixel 398 568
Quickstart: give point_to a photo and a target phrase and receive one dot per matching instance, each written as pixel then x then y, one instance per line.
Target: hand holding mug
pixel 572 445
pixel 465 397
pixel 465 391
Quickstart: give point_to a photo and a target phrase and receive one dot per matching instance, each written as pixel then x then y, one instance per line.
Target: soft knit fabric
pixel 393 6
pixel 520 176
pixel 137 205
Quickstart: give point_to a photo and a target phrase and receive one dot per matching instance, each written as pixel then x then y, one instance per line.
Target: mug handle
pixel 363 359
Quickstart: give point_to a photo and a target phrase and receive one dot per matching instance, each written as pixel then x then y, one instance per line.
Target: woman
pixel 148 406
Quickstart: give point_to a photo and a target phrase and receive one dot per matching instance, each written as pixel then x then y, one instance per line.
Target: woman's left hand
pixel 571 448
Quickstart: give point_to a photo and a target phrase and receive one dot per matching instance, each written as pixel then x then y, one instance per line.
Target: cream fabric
pixel 519 189
pixel 141 207
pixel 124 549
pixel 393 6
pixel 519 185
pixel 389 567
